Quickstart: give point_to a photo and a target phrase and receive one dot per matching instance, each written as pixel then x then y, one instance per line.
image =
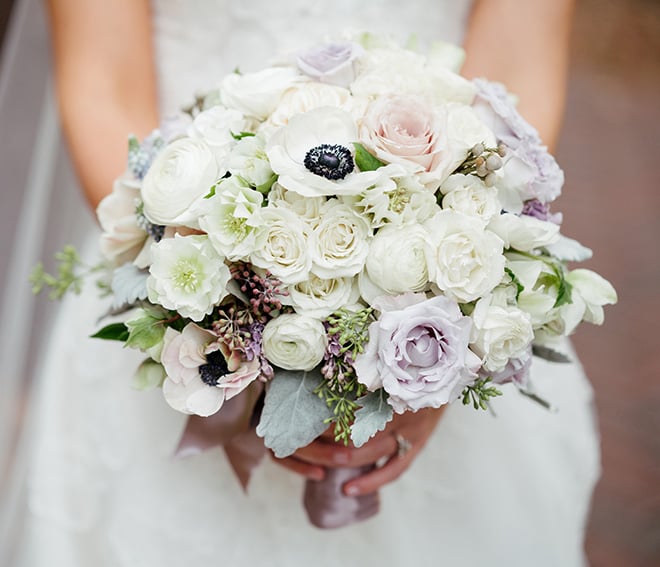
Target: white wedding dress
pixel 104 489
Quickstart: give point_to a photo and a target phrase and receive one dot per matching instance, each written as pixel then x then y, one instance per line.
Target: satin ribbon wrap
pixel 234 429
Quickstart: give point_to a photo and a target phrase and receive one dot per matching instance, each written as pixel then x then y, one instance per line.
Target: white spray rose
pixel 317 297
pixel 294 342
pixel 340 242
pixel 469 195
pixel 187 275
pixel 464 260
pixel 282 245
pixel 308 208
pixel 178 179
pixel 396 260
pixel 499 333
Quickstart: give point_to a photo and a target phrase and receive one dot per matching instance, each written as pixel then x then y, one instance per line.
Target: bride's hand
pixel 408 429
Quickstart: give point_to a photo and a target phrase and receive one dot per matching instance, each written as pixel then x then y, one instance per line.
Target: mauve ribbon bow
pixel 234 429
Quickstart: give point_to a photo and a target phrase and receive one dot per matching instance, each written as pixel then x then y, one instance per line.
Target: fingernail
pixel 352 490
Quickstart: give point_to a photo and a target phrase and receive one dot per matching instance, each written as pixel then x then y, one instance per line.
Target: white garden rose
pixel 464 260
pixel 313 155
pixel 307 96
pixel 396 260
pixel 308 208
pixel 215 126
pixel 123 238
pixel 499 333
pixel 523 233
pixel 469 195
pixel 317 297
pixel 282 245
pixel 340 241
pixel 257 94
pixel 294 342
pixel 187 275
pixel 178 179
pixel 231 218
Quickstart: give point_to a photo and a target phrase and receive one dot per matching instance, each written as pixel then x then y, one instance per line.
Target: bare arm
pixel 105 83
pixel 525 45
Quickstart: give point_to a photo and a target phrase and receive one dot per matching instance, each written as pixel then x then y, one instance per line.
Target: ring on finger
pixel 403 445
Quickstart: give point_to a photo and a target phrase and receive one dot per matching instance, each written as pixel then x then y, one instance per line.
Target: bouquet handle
pixel 328 507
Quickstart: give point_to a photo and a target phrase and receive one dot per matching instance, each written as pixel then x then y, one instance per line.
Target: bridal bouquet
pixel 357 231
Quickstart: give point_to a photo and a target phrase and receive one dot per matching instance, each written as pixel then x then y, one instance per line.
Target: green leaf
pixel 371 418
pixel 241 135
pixel 264 188
pixel 150 374
pixel 145 331
pixel 564 294
pixel 514 279
pixel 293 415
pixel 112 332
pixel 364 160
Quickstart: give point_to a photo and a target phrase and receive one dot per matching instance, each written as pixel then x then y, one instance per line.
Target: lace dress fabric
pixel 105 490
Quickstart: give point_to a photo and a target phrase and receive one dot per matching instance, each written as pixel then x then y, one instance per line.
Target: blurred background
pixel 610 151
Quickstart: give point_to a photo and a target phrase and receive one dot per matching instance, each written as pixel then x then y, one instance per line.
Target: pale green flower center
pixel 187 275
pixel 399 198
pixel 237 226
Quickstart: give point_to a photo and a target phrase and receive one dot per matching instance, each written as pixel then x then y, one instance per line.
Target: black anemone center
pixel 330 161
pixel 214 369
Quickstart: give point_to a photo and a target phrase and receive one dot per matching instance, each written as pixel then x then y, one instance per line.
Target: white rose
pixel 122 237
pixel 294 342
pixel 467 194
pixel 179 178
pixel 317 297
pixel 308 96
pixel 313 155
pixel 282 245
pixel 523 233
pixel 396 260
pixel 464 260
pixel 231 218
pixel 215 126
pixel 308 208
pixel 257 94
pixel 187 275
pixel 340 242
pixel 499 333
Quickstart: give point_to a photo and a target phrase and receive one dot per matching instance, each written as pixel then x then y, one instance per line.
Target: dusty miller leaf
pixel 549 354
pixel 293 415
pixel 371 418
pixel 129 285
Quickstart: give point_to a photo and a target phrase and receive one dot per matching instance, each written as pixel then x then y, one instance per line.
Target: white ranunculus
pixel 339 242
pixel 396 260
pixel 187 275
pixel 178 179
pixel 123 238
pixel 523 233
pixel 308 208
pixel 257 94
pixel 317 297
pixel 231 218
pixel 464 260
pixel 282 245
pixel 248 161
pixel 215 126
pixel 319 132
pixel 399 198
pixel 308 96
pixel 469 195
pixel 500 333
pixel 294 342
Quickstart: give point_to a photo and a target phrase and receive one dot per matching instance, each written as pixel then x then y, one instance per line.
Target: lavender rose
pixel 332 63
pixel 418 352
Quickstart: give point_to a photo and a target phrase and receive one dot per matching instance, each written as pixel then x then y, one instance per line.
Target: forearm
pixel 524 45
pixel 105 83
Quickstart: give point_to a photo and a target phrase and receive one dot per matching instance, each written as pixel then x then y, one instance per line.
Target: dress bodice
pixel 198 42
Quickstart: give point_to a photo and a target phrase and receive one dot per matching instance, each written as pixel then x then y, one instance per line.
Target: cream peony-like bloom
pixel 464 260
pixel 469 195
pixel 178 179
pixel 318 298
pixel 187 275
pixel 304 97
pixel 294 342
pixel 215 126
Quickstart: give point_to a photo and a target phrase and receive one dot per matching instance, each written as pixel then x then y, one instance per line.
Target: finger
pixel 336 455
pixel 373 480
pixel 307 470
